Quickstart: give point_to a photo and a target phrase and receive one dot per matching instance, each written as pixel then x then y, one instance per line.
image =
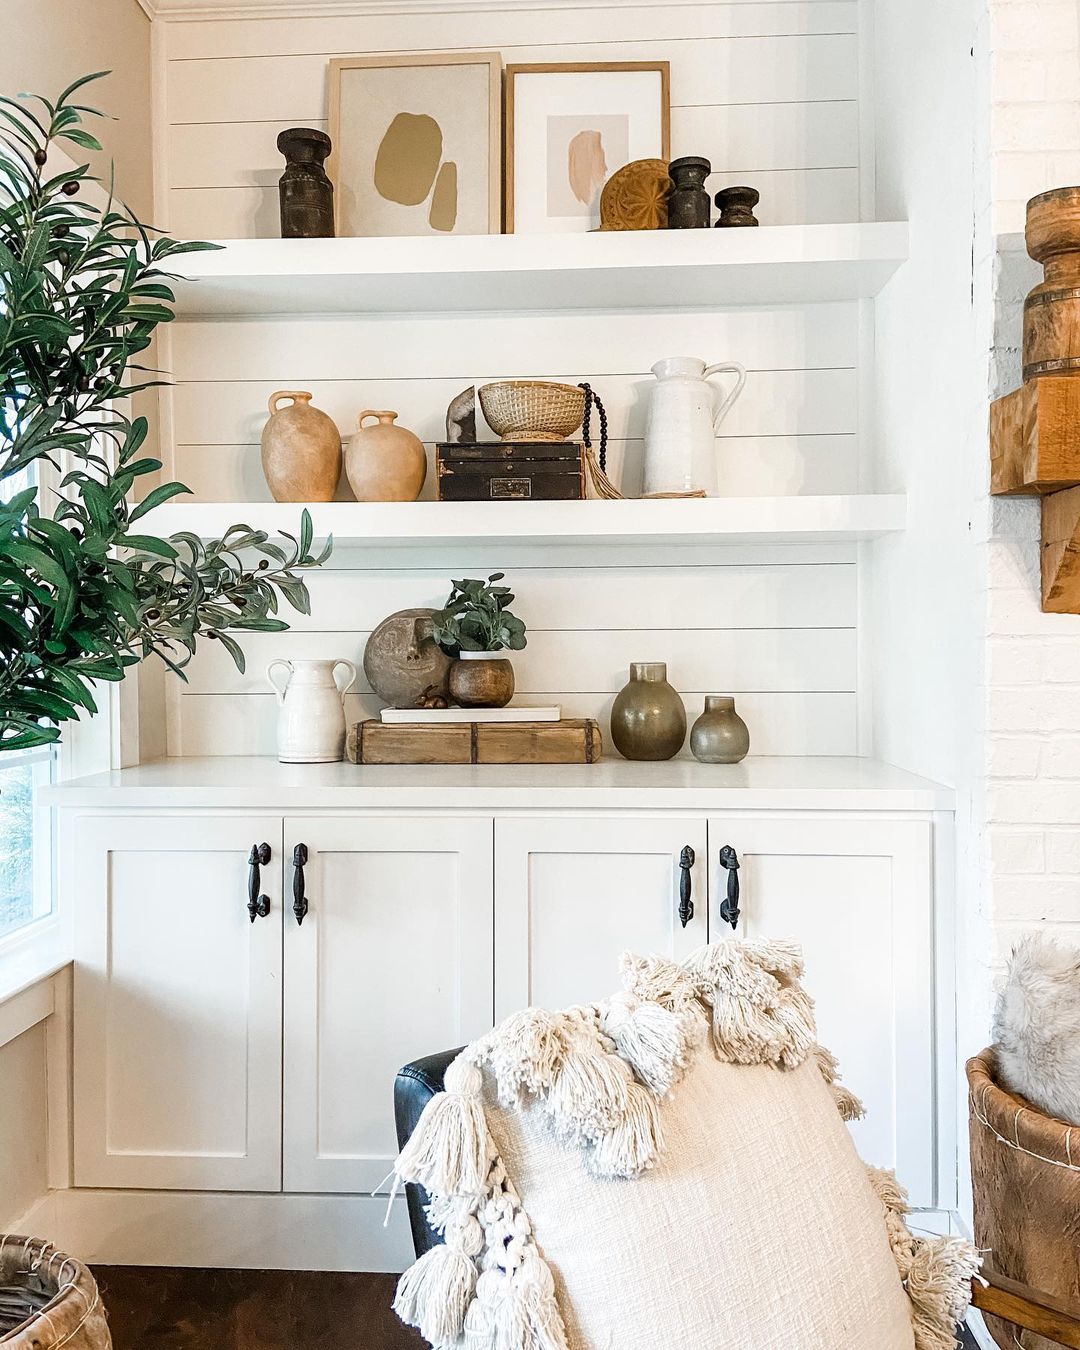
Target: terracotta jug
pixel 301 450
pixel 384 462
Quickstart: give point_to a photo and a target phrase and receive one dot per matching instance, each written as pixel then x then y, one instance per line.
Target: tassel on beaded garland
pixel 435 1293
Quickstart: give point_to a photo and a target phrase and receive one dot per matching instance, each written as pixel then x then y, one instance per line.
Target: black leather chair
pixel 414 1087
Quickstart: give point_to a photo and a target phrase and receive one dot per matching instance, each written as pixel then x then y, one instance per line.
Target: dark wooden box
pixel 482 471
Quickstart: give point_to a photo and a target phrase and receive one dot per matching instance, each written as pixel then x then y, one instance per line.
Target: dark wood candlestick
pixel 736 206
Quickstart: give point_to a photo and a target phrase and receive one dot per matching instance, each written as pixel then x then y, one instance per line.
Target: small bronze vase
pixel 305 193
pixel 648 720
pixel 719 736
pixel 688 202
pixel 736 206
pixel 481 680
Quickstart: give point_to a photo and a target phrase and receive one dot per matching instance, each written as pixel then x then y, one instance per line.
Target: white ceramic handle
pixel 343 688
pixel 279 689
pixel 726 368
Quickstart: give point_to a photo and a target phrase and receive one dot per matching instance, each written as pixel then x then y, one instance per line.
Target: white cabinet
pixel 392 961
pixel 575 892
pixel 177 1051
pixel 856 894
pixel 215 1054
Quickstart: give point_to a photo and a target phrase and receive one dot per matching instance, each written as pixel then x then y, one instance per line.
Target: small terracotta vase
pixel 719 736
pixel 301 450
pixel 648 720
pixel 481 680
pixel 385 463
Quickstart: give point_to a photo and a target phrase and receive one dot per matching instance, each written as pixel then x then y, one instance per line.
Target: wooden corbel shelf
pixel 1035 431
pixel 1035 451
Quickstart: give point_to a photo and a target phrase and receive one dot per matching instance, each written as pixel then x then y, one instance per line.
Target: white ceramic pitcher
pixel 311 715
pixel 685 412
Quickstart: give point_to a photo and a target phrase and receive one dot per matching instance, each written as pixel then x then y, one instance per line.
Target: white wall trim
pixel 149 8
pixel 232 1230
pixel 185 11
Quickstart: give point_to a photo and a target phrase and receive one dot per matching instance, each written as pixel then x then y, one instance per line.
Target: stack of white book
pixel 517 713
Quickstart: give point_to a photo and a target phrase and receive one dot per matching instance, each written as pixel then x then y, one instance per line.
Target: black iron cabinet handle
pixel 258 906
pixel 729 908
pixel 686 904
pixel 299 903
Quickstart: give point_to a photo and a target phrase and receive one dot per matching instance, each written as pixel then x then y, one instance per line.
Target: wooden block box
pixel 570 741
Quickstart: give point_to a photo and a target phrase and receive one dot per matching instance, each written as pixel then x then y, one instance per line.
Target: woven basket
pixel 532 410
pixel 1025 1178
pixel 48 1300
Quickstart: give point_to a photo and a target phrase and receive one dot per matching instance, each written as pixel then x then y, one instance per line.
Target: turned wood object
pixel 1035 431
pixel 736 207
pixel 636 197
pixel 1052 310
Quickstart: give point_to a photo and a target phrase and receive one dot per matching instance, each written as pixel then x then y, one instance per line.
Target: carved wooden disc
pixel 635 198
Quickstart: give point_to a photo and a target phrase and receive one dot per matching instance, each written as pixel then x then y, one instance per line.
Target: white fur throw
pixel 667 1170
pixel 1037 1027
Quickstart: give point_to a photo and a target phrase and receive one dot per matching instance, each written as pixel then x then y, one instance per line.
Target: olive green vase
pixel 648 720
pixel 719 736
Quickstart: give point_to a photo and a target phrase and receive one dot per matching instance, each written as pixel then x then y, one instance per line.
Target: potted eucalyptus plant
pixel 474 626
pixel 84 593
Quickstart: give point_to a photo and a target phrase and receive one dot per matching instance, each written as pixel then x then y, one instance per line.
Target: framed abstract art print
pixel 416 143
pixel 569 127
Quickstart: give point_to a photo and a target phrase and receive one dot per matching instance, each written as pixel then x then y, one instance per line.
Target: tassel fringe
pixel 849 1106
pixel 936 1272
pixel 447 1153
pixel 434 1294
pixel 652 1040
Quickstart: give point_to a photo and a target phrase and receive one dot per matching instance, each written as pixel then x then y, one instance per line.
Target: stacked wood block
pixel 1035 431
pixel 569 741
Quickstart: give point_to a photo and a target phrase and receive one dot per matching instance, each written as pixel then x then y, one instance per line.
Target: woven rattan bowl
pixel 532 410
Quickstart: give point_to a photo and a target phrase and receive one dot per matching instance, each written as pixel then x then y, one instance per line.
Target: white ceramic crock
pixel 685 412
pixel 311 716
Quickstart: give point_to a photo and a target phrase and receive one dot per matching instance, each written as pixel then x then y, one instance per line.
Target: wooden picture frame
pixel 342 66
pixel 513 72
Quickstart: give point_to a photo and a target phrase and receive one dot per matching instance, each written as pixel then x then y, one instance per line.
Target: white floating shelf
pixel 778 264
pixel 693 521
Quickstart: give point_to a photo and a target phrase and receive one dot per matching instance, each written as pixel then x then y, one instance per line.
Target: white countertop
pixel 262 784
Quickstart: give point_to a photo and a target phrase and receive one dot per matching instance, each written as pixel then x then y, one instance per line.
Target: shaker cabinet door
pixel 387 959
pixel 177 1042
pixel 856 894
pixel 574 893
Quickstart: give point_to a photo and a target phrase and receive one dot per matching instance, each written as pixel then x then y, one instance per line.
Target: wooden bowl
pixel 532 410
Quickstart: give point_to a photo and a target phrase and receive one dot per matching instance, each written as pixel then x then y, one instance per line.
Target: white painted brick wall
pixel 1032 699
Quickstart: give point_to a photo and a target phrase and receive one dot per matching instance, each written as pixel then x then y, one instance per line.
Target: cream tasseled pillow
pixel 667 1170
pixel 757 1228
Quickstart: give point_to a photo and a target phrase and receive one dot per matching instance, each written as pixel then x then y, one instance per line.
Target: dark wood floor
pixel 153 1308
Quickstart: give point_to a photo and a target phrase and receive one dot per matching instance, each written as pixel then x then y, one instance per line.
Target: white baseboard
pixel 37 1221
pixel 229 1230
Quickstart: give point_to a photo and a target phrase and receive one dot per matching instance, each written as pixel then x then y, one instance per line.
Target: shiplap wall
pixel 768 91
